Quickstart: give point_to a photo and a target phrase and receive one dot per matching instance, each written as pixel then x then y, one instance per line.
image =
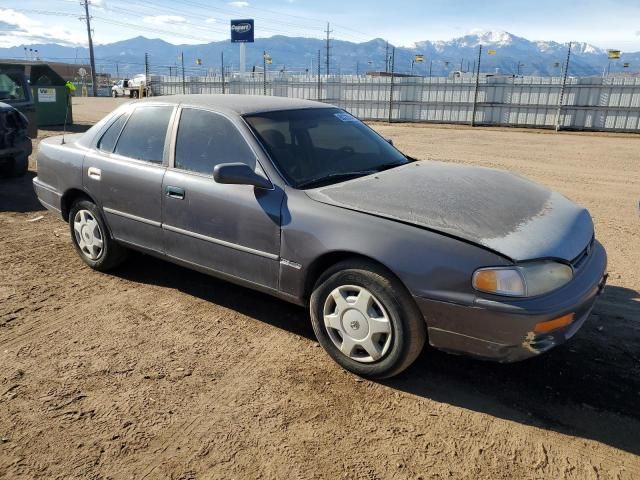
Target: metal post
pixel 475 93
pixel 393 61
pixel 243 56
pixel 184 88
pixel 430 66
pixel 564 83
pixel 264 72
pixel 319 79
pixel 222 67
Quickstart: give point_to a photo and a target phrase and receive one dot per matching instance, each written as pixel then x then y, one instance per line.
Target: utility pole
pixel 393 62
pixel 328 47
pixel 94 85
pixel 386 58
pixel 564 83
pixel 182 62
pixel 319 80
pixel 264 72
pixel 146 72
pixel 430 66
pixel 475 93
pixel 222 69
pixel 117 71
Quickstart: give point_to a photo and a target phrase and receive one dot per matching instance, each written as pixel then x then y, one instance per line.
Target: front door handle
pixel 175 192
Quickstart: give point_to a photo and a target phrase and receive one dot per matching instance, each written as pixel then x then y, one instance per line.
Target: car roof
pixel 238 104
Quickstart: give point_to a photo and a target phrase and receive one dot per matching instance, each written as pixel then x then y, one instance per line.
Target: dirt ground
pixel 155 371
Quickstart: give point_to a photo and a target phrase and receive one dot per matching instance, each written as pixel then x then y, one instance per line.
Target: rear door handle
pixel 94 173
pixel 175 192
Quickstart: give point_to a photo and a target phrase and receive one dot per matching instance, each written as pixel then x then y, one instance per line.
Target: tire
pixel 114 94
pixel 400 329
pixel 88 229
pixel 14 167
pixel 20 166
pixel 134 93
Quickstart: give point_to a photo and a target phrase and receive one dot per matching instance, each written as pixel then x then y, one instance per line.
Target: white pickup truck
pixel 132 88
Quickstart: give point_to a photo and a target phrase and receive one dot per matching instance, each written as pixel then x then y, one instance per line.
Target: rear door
pixel 232 229
pixel 124 174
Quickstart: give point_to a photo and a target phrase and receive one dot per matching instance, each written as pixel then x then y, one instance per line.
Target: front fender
pixel 429 264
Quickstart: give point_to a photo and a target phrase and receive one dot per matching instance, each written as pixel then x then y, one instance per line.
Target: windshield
pixel 12 87
pixel 318 146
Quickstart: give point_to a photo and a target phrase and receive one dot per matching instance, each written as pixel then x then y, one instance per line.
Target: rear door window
pixel 206 139
pixel 144 135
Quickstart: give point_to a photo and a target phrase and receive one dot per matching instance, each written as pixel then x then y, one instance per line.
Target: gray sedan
pixel 303 201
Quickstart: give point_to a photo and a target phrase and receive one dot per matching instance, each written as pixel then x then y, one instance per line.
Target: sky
pixel 603 23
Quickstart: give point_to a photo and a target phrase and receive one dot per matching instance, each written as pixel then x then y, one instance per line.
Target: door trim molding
pixel 235 246
pixel 132 217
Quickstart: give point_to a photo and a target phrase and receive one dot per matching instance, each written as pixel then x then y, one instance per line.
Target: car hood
pixel 492 208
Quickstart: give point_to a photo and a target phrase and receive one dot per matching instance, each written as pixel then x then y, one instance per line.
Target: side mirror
pixel 239 174
pixel 389 141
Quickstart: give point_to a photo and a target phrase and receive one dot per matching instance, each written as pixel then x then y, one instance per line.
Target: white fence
pixel 593 103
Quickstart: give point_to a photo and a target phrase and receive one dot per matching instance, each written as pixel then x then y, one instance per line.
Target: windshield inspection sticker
pixel 345 117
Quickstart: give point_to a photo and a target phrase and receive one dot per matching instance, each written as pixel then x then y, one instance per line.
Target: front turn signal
pixel 556 323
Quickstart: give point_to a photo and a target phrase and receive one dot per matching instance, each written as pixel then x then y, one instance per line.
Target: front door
pixel 232 229
pixel 124 175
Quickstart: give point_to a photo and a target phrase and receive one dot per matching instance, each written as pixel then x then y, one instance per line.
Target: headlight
pixel 526 280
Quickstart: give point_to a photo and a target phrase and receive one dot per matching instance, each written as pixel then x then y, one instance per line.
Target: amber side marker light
pixel 550 325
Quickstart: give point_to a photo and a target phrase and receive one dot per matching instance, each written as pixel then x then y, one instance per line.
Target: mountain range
pixel 502 52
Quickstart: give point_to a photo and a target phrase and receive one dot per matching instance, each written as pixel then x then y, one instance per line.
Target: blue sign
pixel 242 31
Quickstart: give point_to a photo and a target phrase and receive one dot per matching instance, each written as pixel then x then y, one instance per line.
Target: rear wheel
pixel 366 320
pixel 91 238
pixel 134 93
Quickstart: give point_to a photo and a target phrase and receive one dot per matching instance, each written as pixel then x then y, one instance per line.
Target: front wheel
pixel 91 238
pixel 114 94
pixel 366 320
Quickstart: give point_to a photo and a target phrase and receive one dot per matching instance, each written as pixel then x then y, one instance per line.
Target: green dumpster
pixel 53 103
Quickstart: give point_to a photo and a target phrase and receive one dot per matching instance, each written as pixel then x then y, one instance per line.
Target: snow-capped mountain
pixel 513 54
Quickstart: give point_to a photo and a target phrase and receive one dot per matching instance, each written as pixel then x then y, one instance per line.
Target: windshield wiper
pixel 335 176
pixel 388 166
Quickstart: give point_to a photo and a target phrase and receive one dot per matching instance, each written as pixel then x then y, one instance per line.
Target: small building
pixel 68 71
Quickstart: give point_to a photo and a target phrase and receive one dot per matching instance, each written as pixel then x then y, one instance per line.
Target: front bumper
pixel 503 329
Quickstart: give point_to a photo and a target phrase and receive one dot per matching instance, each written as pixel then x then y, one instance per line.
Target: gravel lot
pixel 155 371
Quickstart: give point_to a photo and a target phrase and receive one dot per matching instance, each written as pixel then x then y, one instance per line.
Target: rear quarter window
pixel 108 140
